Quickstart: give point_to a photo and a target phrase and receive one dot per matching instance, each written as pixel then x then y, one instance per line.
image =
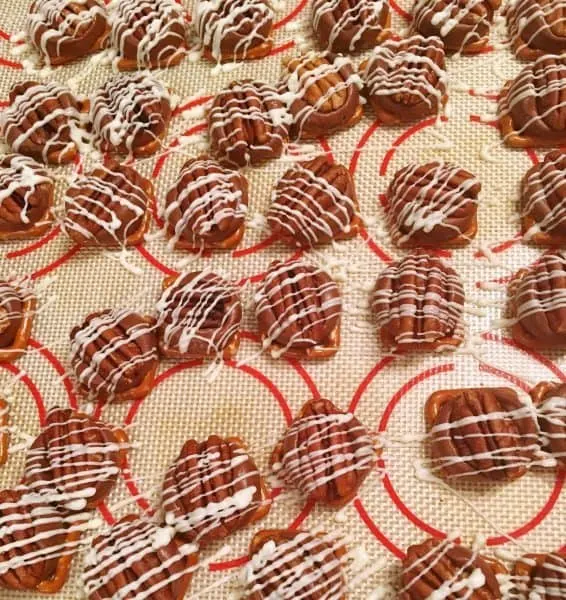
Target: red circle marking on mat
pixel 4 62
pixel 407 16
pixel 50 235
pixel 32 388
pixel 292 15
pixel 4 36
pixel 154 262
pixel 381 537
pixel 56 263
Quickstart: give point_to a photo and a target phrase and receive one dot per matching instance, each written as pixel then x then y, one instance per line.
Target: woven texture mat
pixel 255 401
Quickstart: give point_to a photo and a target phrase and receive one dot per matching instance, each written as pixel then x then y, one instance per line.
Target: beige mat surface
pixel 395 507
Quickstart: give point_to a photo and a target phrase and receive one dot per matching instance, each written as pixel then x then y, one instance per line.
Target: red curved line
pixel 106 514
pixel 326 147
pixel 4 62
pixel 538 518
pixel 265 243
pixel 35 245
pixel 532 155
pixel 286 46
pixel 300 369
pixel 133 488
pixel 4 35
pixel 4 103
pixel 478 119
pixel 229 564
pixel 490 337
pixel 56 263
pixel 59 368
pixel 384 362
pixel 294 13
pixel 32 388
pixel 192 104
pixel 161 160
pixel 362 142
pixel 154 262
pixel 305 512
pixel 381 537
pixel 373 246
pixel 401 11
pixel 505 375
pixel 501 247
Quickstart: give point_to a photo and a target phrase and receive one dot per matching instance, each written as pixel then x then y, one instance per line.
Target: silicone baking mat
pixel 256 400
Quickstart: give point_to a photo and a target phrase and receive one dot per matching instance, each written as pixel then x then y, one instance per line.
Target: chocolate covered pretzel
pixel 550 402
pixel 17 310
pixel 540 576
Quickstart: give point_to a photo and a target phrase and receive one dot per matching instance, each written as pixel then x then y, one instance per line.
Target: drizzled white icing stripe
pixel 91 374
pixel 310 469
pixel 217 20
pixel 24 175
pixel 155 27
pixel 273 569
pixel 546 581
pixel 552 413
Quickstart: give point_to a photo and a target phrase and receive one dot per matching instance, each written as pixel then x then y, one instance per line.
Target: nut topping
pixel 326 454
pixel 298 309
pixel 540 577
pixel 483 433
pixel 314 203
pixel 212 490
pixel 17 309
pixel 550 402
pixel 248 124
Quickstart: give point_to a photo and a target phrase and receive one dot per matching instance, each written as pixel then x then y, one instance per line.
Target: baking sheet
pixel 395 507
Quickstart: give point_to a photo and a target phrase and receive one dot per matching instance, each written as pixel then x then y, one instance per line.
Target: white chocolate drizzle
pixel 552 412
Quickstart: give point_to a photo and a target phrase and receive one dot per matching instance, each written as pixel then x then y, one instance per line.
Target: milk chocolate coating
pixel 537 299
pixel 326 454
pixel 540 576
pixel 11 313
pixel 532 108
pixel 543 201
pixel 550 401
pixel 298 310
pixel 207 205
pixel 234 29
pixel 440 563
pixel 130 114
pixel 350 25
pixel 463 25
pixel 300 563
pixel 64 30
pixel 405 79
pixel 107 207
pixel 114 353
pixel 536 27
pixel 418 304
pixel 212 490
pixel 26 198
pixel 314 203
pixel 321 92
pixel 42 121
pixel 433 205
pixel 137 558
pixel 62 465
pixel 148 34
pixel 35 548
pixel 199 315
pixel 482 434
pixel 247 124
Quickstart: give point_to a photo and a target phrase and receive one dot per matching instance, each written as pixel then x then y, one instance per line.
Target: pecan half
pixel 248 124
pixel 321 93
pixel 536 27
pixel 148 34
pixel 298 309
pixel 418 304
pixel 26 198
pixel 295 564
pixel 114 354
pixel 550 400
pixel 130 114
pixel 65 30
pixel 206 207
pixel 17 309
pixel 433 205
pixel 43 121
pixel 537 297
pixel 139 559
pixel 314 203
pixel 540 576
pixel 199 315
pixel 532 108
pixel 350 25
pixel 37 541
pixel 481 433
pixel 75 460
pixel 213 489
pixel 234 29
pixel 108 207
pixel 326 454
pixel 543 201
pixel 463 25
pixel 450 570
pixel 405 79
